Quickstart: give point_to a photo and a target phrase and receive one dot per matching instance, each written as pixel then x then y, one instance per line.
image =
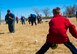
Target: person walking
pixel 17 20
pixel 22 20
pixel 33 19
pixel 10 20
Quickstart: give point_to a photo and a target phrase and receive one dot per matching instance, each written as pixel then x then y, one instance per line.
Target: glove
pixel 54 46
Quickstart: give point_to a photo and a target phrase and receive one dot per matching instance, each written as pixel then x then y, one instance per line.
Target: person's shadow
pixel 2 33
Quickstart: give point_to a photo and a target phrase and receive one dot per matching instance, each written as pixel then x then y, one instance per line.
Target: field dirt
pixel 28 39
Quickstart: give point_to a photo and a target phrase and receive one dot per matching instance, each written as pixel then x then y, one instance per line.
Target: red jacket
pixel 58 26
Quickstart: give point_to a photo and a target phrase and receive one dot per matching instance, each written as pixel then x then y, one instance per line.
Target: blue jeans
pixel 46 46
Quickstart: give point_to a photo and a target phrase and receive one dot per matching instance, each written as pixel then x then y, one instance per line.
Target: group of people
pixel 39 19
pixel 58 26
pixel 33 18
pixel 10 20
pixel 23 20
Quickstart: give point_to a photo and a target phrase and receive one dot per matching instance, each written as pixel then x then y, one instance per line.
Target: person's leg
pixel 44 48
pixel 12 28
pixel 32 22
pixel 9 27
pixel 38 20
pixel 71 47
pixel 35 23
pixel 29 22
pixel 17 21
pixel 24 22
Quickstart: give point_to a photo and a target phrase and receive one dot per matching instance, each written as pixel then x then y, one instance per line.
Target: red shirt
pixel 58 26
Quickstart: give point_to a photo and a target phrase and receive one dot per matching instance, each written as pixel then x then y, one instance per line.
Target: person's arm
pixel 72 29
pixel 50 24
pixel 12 17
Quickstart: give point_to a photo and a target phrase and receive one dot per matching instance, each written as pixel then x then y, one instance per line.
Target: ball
pixel 36 41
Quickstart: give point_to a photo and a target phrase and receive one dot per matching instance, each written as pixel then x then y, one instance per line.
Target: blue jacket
pixel 8 20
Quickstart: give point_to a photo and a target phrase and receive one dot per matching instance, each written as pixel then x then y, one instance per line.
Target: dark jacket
pixel 9 20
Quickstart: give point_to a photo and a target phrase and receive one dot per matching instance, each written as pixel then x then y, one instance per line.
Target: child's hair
pixel 56 10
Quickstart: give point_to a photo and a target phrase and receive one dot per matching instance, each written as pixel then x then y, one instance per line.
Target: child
pixel 17 20
pixel 58 26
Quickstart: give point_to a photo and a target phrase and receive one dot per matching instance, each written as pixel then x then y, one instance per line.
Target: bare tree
pixel 46 12
pixel 36 10
pixel 75 8
pixel 71 10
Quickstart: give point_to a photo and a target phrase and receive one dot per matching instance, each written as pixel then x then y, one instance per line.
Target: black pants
pixel 17 21
pixel 46 46
pixel 32 22
pixel 11 27
pixel 23 22
pixel 38 20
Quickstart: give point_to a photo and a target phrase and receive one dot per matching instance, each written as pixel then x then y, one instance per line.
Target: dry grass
pixel 23 40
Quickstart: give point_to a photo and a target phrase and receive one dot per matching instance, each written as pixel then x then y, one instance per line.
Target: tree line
pixel 70 11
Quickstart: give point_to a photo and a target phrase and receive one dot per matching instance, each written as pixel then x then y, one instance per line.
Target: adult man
pixel 39 19
pixel 32 19
pixel 22 20
pixel 10 20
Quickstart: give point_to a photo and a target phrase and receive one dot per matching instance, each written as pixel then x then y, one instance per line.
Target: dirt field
pixel 28 39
